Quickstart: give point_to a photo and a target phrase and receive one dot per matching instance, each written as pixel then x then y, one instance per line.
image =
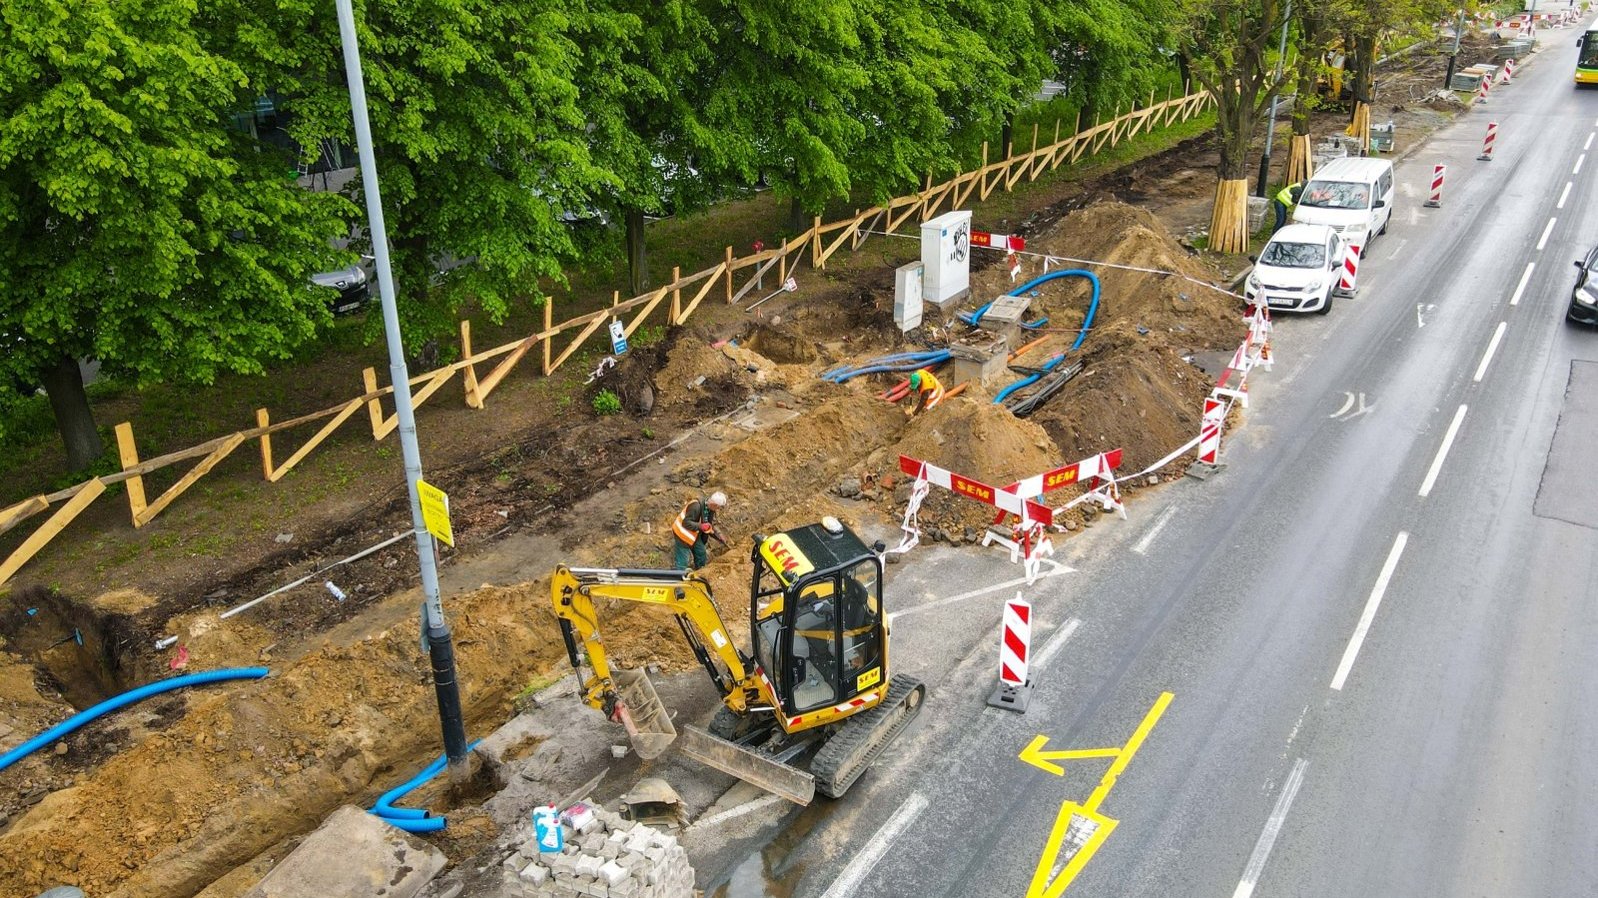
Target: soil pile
pixel 250 763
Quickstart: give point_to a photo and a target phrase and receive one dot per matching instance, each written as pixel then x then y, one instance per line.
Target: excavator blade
pixel 753 767
pixel 642 712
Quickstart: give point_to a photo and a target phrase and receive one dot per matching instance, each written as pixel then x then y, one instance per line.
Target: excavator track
pixel 860 739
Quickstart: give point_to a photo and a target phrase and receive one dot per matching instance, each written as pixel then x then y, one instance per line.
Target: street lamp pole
pixel 1459 30
pixel 439 646
pixel 1270 127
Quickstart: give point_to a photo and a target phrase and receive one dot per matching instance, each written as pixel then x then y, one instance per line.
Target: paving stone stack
pixel 606 857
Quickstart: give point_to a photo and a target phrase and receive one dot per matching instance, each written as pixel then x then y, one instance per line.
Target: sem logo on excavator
pixel 785 558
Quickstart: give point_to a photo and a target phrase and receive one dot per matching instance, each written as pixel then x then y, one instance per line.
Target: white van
pixel 1353 195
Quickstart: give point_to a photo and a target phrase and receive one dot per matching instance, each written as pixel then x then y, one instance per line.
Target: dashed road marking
pixel 1369 614
pixel 1521 287
pixel 1273 828
pixel 1142 545
pixel 1588 144
pixel 1579 160
pixel 1565 195
pixel 877 846
pixel 1442 453
pixel 1492 347
pixel 1546 231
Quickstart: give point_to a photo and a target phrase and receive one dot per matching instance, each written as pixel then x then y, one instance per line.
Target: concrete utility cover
pixel 1569 491
pixel 353 853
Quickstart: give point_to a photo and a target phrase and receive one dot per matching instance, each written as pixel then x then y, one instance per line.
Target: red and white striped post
pixel 1487 142
pixel 1015 651
pixel 1209 447
pixel 1436 200
pixel 1482 87
pixel 1509 71
pixel 1345 283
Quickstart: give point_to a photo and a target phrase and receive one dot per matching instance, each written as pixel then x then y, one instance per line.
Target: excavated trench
pixel 85 654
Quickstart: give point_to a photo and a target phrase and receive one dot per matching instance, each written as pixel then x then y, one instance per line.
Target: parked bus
pixel 1587 59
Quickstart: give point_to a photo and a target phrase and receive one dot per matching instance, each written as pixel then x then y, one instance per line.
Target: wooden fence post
pixel 374 406
pixel 815 245
pixel 676 296
pixel 128 450
pixel 728 262
pixel 264 419
pixel 549 324
pixel 473 400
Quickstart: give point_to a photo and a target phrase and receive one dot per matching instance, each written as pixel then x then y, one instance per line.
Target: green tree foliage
pixel 481 144
pixel 137 227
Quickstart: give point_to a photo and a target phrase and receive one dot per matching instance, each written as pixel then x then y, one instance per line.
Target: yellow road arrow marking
pixel 1081 826
pixel 1035 755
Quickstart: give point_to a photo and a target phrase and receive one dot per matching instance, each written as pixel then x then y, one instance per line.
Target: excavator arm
pixel 685 596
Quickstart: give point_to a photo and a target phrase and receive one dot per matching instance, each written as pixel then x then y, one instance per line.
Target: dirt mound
pixel 252 763
pixel 1167 295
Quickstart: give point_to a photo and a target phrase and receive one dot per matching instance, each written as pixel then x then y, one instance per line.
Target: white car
pixel 1298 271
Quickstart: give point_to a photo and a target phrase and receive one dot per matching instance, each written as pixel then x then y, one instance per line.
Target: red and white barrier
pixel 1209 447
pixel 1007 242
pixel 1015 651
pixel 1436 200
pixel 1482 87
pixel 1350 275
pixel 1509 71
pixel 1025 509
pixel 1098 466
pixel 1488 141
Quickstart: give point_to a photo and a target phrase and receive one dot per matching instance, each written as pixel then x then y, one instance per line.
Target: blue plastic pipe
pixel 1093 307
pixel 77 720
pixel 1029 380
pixel 412 820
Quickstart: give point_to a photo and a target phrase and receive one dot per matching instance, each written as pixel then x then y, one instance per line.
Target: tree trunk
pixel 1007 133
pixel 637 254
pixel 1364 67
pixel 797 223
pixel 1183 69
pixel 63 382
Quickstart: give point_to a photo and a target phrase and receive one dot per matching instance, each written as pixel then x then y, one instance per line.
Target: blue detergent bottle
pixel 546 830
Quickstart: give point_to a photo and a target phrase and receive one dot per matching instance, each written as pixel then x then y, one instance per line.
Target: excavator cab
pixel 817 625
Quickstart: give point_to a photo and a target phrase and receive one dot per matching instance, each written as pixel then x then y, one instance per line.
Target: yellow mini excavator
pixel 815 689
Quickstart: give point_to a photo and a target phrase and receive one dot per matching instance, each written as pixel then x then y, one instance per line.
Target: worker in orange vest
pixel 927 389
pixel 694 528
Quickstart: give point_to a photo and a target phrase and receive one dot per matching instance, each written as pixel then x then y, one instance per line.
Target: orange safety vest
pixel 686 530
pixel 928 382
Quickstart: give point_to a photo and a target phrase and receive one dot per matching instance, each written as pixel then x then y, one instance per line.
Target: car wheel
pixel 1385 222
pixel 1325 306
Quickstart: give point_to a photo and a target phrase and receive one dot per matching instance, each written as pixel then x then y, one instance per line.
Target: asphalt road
pixel 1378 624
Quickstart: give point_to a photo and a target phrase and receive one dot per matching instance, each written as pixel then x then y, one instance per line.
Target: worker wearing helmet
pixel 694 528
pixel 927 389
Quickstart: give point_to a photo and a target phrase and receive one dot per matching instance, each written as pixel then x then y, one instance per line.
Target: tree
pixel 136 226
pixel 1231 47
pixel 481 143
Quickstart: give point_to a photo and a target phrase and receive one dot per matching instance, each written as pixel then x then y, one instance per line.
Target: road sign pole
pixel 441 648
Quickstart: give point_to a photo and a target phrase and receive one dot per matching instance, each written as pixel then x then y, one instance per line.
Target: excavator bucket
pixel 642 713
pixel 791 783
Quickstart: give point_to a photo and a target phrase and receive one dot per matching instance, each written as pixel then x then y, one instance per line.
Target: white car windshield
pixel 1336 195
pixel 1294 255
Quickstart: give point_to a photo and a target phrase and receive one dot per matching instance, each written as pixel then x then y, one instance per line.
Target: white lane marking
pixel 1588 144
pixel 1419 321
pixel 1273 828
pixel 1564 196
pixel 1398 249
pixel 1579 160
pixel 747 807
pixel 1056 642
pixel 1546 231
pixel 1142 545
pixel 1349 402
pixel 876 847
pixel 1442 453
pixel 1369 615
pixel 1052 568
pixel 1521 287
pixel 1492 347
pixel 1414 215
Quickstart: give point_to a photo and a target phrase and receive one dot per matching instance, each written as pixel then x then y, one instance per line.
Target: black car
pixel 1584 298
pixel 354 289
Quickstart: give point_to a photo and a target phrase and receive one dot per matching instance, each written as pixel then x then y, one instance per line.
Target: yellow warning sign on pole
pixel 435 511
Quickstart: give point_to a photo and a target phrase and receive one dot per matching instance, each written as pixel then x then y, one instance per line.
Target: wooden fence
pixel 481 372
